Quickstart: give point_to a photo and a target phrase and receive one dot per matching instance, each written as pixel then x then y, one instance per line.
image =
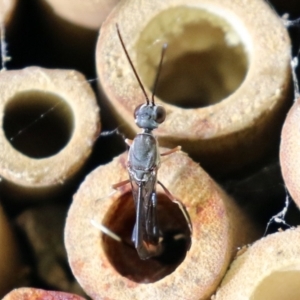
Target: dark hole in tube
pixel 38 124
pixel 121 218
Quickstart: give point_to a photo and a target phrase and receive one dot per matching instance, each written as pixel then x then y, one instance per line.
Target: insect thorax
pixel 144 153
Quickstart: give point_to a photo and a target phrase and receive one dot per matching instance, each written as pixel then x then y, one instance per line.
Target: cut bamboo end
pixel 88 14
pixel 42 228
pixel 224 82
pixel 7 8
pixel 50 120
pixel 269 269
pixel 289 152
pixel 107 269
pixel 10 262
pixel 39 294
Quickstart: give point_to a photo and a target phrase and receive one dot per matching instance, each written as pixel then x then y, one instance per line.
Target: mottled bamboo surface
pixel 196 268
pixel 225 90
pixel 36 163
pixel 269 269
pixel 39 294
pixel 36 36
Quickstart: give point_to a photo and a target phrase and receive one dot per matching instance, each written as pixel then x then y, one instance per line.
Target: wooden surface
pixel 53 169
pixel 221 130
pixel 102 266
pixel 269 269
pixel 41 39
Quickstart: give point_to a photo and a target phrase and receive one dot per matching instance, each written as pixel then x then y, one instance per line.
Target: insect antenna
pixel 163 51
pixel 132 66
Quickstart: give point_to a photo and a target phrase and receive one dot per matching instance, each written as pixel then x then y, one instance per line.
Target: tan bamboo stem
pixel 88 14
pixel 39 294
pixel 289 152
pixel 269 269
pixel 110 270
pixel 224 82
pixel 42 227
pixel 71 28
pixel 10 262
pixel 33 158
pixel 6 10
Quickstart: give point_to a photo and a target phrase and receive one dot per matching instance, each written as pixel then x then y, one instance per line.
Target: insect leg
pixel 180 205
pixel 128 142
pixel 114 187
pixel 109 132
pixel 120 184
pixel 137 237
pixel 112 132
pixel 151 225
pixel 178 148
pixel 154 214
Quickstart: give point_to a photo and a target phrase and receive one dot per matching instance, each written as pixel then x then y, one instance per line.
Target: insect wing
pixel 145 233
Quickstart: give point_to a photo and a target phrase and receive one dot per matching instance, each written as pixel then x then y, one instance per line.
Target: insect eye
pixel 160 114
pixel 136 111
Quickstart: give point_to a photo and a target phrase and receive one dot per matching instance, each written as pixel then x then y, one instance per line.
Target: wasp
pixel 143 164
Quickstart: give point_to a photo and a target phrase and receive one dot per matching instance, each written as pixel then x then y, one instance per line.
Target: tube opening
pixel 38 124
pixel 280 285
pixel 123 256
pixel 205 62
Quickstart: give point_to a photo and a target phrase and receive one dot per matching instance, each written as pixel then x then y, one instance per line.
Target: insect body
pixel 143 164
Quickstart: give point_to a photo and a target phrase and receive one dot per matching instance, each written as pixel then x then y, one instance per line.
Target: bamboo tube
pixel 39 294
pixel 50 120
pixel 88 14
pixel 107 269
pixel 7 8
pixel 10 262
pixel 70 28
pixel 289 152
pixel 42 227
pixel 269 269
pixel 224 82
